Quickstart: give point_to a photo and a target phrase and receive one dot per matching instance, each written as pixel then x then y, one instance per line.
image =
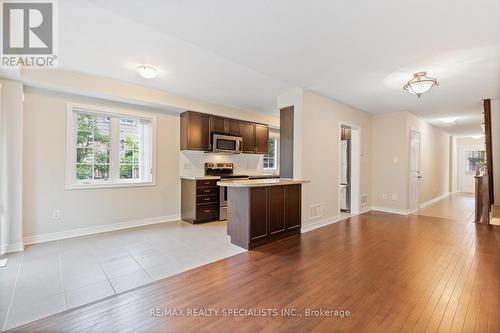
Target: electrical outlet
pixel 385 196
pixel 364 200
pixel 394 197
pixel 187 166
pixel 56 214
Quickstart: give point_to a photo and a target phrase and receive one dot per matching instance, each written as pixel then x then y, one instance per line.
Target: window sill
pixel 107 185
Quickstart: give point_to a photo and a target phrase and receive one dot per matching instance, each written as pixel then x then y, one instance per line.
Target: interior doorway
pixel 415 176
pixel 349 163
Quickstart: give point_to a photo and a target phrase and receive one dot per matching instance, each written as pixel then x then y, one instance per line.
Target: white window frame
pixel 276 154
pixel 71 127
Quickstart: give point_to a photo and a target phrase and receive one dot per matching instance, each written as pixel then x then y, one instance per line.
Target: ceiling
pixel 245 53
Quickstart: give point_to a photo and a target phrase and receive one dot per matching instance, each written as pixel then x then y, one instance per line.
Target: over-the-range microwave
pixel 228 144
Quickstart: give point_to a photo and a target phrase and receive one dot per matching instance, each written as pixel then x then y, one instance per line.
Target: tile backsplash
pixel 192 163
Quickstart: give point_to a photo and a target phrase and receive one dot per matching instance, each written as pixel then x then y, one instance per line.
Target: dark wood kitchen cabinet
pixel 261 138
pixel 199 200
pixel 259 215
pixel 247 131
pixel 195 131
pixel 226 126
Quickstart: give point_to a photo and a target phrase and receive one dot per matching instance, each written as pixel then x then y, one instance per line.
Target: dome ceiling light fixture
pixel 147 71
pixel 420 84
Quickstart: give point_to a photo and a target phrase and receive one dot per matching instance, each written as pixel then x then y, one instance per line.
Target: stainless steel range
pixel 224 171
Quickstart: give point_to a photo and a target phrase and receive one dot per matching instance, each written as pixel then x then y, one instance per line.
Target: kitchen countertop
pixel 200 177
pixel 261 176
pixel 261 182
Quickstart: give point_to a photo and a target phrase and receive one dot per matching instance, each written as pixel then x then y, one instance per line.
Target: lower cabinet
pixel 275 211
pixel 199 200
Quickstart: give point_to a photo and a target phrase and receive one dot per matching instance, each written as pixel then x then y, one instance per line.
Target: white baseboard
pixel 391 210
pixel 10 248
pixel 97 229
pixel 365 210
pixel 436 199
pixel 319 224
pixel 408 211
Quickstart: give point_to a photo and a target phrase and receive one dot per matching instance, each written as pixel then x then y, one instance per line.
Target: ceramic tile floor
pixel 51 277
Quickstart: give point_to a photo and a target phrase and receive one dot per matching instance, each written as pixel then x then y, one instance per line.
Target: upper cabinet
pixel 248 137
pixel 225 126
pixel 261 138
pixel 197 129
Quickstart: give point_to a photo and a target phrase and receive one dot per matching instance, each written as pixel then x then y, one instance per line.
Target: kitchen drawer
pixel 206 182
pixel 205 199
pixel 206 212
pixel 207 190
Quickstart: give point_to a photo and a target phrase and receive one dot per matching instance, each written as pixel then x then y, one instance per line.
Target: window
pixel 472 158
pixel 271 158
pixel 108 148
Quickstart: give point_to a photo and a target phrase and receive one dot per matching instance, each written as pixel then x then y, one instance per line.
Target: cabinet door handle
pixel 207 210
pixel 207 191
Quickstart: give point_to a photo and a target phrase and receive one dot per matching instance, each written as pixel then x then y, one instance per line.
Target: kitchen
pixel 223 159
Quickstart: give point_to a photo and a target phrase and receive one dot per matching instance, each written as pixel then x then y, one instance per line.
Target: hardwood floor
pixel 393 273
pixel 458 206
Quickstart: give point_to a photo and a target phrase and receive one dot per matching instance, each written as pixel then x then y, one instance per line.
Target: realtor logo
pixel 28 32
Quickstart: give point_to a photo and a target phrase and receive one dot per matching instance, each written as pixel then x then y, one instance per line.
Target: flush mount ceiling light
pixel 420 84
pixel 147 72
pixel 449 121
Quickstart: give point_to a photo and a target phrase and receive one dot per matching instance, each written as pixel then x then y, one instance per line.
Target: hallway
pixel 457 206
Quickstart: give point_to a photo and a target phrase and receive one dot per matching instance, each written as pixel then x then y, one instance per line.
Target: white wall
pixel 11 166
pixel 391 160
pixel 44 172
pixel 320 141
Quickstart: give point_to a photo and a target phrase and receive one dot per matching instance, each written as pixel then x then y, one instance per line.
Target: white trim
pixel 391 210
pixel 365 209
pixel 10 248
pixel 98 229
pixel 319 224
pixel 355 190
pixel 409 211
pixel 436 199
pixel 113 113
pixel 93 186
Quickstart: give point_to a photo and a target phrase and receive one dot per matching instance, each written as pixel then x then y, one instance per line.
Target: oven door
pixel 226 144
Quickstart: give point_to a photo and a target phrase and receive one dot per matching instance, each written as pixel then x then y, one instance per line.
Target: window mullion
pixel 114 154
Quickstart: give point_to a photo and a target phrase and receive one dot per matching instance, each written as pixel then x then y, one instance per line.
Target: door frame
pixel 355 166
pixel 460 169
pixel 410 175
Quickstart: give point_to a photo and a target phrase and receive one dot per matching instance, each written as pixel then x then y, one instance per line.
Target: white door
pixel 414 170
pixel 470 155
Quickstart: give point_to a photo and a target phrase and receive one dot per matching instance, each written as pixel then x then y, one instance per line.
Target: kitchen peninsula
pixel 263 210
